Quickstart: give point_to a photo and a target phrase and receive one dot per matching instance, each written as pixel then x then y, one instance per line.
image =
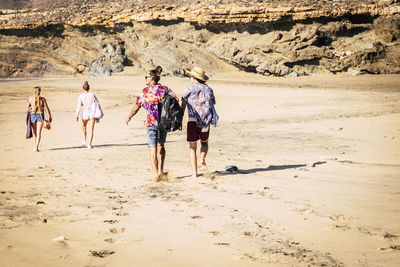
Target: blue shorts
pixel 155 136
pixel 36 117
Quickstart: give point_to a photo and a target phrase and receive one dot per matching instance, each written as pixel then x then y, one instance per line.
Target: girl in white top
pixel 86 100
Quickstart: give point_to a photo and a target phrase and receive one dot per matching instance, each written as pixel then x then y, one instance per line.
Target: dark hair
pixel 200 81
pixel 86 86
pixel 153 73
pixel 158 69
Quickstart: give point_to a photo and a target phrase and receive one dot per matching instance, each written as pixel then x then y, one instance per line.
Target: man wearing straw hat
pixel 199 99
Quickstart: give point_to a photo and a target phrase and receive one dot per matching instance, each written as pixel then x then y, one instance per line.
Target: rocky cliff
pixel 272 37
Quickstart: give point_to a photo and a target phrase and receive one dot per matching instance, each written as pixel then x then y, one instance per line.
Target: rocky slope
pixel 268 37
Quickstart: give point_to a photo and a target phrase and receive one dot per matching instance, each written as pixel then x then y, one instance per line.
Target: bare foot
pixel 163 177
pixel 157 178
pixel 204 167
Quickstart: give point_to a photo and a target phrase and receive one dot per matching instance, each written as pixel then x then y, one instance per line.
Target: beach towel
pixel 28 125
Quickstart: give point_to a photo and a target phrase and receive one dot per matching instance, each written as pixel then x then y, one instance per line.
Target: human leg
pixel 152 136
pixel 34 127
pixel 153 160
pixel 204 134
pixel 92 122
pixel 203 153
pixel 161 139
pixel 84 124
pixel 193 158
pixel 161 156
pixel 38 134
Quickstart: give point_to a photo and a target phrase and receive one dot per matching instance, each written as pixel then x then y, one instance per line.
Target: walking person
pixel 149 99
pixel 88 101
pixel 37 106
pixel 200 100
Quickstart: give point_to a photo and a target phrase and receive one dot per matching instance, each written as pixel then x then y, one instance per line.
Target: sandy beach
pixel 318 161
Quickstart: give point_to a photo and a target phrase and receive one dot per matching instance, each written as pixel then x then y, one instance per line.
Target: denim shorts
pixel 36 117
pixel 155 136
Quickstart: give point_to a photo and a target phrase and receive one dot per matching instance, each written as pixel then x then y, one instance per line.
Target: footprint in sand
pixel 222 244
pixel 177 210
pixel 101 253
pixel 111 240
pixel 116 230
pixel 111 221
pixel 117 208
pixel 390 236
pixel 249 256
pixel 216 233
pixel 121 213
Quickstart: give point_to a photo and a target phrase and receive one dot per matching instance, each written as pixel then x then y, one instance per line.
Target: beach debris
pixel 196 217
pixel 44 221
pixel 101 253
pixel 295 176
pixel 60 238
pixel 231 168
pixel 267 188
pixel 40 202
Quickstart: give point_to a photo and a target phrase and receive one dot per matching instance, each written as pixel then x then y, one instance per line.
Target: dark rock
pixel 231 168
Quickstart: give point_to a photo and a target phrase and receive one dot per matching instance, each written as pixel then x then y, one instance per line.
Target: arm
pixel 134 110
pixel 78 108
pixel 183 106
pixel 185 97
pixel 48 109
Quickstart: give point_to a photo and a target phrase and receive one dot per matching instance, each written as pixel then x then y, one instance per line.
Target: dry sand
pixel 289 203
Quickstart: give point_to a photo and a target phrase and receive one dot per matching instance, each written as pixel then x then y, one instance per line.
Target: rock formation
pixel 281 38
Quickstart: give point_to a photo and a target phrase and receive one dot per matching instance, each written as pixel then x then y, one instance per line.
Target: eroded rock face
pixel 282 39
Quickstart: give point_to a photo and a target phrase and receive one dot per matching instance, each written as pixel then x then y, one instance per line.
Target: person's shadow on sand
pixel 98 146
pixel 234 171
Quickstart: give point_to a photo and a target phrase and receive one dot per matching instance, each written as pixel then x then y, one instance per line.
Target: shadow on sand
pixel 269 168
pixel 97 146
pixel 254 170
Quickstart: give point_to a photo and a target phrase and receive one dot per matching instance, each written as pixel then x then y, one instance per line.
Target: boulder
pixel 98 69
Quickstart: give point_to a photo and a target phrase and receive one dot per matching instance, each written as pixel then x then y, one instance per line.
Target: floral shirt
pixel 149 99
pixel 200 100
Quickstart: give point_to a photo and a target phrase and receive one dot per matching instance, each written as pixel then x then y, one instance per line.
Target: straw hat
pixel 198 73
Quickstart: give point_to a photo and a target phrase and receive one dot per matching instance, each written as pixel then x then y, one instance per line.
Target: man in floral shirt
pixel 199 99
pixel 149 99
